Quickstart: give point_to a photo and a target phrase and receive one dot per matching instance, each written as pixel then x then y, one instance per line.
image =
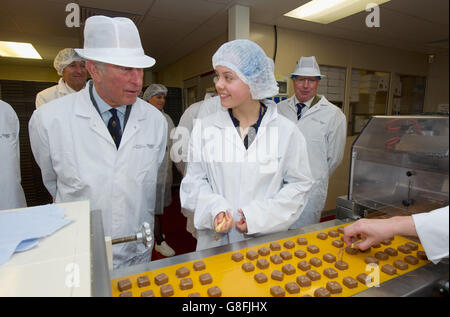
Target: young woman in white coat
pixel 243 177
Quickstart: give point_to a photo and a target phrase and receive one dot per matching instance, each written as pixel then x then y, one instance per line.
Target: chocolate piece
pixel 350 282
pixel 148 293
pixel 371 259
pixel 328 257
pixel 330 273
pixel 412 246
pixel 340 230
pixel 186 283
pixel 422 255
pixel 388 269
pixel 315 261
pixel 334 287
pixel 351 251
pixel 302 241
pixel 277 275
pixel 304 266
pixel 341 265
pixel 199 265
pixel 274 246
pixel 381 256
pixel 251 255
pixel 404 249
pixel 321 292
pixel 196 294
pixel 366 250
pixel 401 265
pixel 262 264
pixel 277 291
pixel 264 251
pixel 333 233
pixel 313 275
pixel 391 251
pixel 237 257
pixel 386 241
pixel 303 281
pixel 248 267
pixel 126 294
pixel 337 243
pixel 143 281
pixel 182 272
pixel 276 259
pixel 166 290
pixel 161 279
pixel 292 288
pixel 322 236
pixel 260 277
pixel 124 284
pixel 286 255
pixel 364 278
pixel 214 292
pixel 300 254
pixel 206 278
pixel 376 245
pixel 411 259
pixel 313 249
pixel 289 244
pixel 288 269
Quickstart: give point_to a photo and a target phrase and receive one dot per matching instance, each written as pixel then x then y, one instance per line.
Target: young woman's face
pixel 232 90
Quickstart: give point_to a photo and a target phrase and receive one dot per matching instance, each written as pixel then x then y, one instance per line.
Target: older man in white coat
pixel 324 127
pixel 103 143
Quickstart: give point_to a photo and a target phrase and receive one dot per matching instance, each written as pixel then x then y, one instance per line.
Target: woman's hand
pixel 241 225
pixel 223 222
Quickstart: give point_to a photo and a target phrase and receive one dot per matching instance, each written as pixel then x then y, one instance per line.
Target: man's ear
pixel 93 70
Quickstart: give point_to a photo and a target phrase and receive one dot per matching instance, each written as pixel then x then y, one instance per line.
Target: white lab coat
pixel 266 182
pixel 325 129
pixel 53 92
pixel 80 161
pixel 432 229
pixel 11 192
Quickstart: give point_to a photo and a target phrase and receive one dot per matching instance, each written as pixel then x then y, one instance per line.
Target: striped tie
pixel 114 127
pixel 300 107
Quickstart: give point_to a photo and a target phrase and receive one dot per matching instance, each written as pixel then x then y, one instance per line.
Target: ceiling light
pixel 20 50
pixel 327 11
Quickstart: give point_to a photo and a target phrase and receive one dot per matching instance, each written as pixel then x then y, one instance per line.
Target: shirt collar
pixel 103 106
pixel 307 103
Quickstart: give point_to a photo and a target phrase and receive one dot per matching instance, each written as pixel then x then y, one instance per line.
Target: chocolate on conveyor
pixel 303 281
pixel 148 293
pixel 277 291
pixel 292 288
pixel 126 294
pixel 124 284
pixel 182 272
pixel 186 283
pixel 411 260
pixel 337 243
pixel 382 256
pixel 340 230
pixel 304 266
pixel 401 265
pixel 364 278
pixel 199 265
pixel 322 235
pixel 313 275
pixel 321 292
pixel 205 278
pixel 264 251
pixel 333 233
pixel 288 269
pixel 351 251
pixel 330 273
pixel 275 246
pixel 388 269
pixel 391 251
pixel 376 246
pixel 366 250
pixel 276 259
pixel 312 249
pixel 161 279
pixel 214 292
pixel 328 257
pixel 412 246
pixel 260 277
pixel 289 244
pixel 404 249
pixel 166 290
pixel 386 241
pixel 300 254
pixel 237 257
pixel 371 259
pixel 350 282
pixel 251 255
pixel 248 267
pixel 143 281
pixel 302 241
pixel 334 287
pixel 277 275
pixel 315 261
pixel 341 265
pixel 262 264
pixel 195 294
pixel 286 255
pixel 422 255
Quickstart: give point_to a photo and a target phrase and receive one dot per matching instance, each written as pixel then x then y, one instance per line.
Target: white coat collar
pixel 64 88
pixel 323 102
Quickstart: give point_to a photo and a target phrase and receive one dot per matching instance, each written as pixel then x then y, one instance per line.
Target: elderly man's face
pixel 305 87
pixel 117 85
pixel 75 75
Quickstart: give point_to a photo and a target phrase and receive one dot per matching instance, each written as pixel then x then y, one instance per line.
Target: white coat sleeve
pixel 279 212
pixel 41 151
pixel 162 172
pixel 432 229
pixel 336 142
pixel 196 193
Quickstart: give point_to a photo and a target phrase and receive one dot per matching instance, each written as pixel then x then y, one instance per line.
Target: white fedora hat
pixel 307 66
pixel 114 41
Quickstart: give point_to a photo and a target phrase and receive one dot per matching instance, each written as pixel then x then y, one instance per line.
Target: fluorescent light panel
pixel 327 11
pixel 19 50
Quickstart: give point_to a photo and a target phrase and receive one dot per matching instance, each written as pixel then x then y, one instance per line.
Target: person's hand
pixel 223 222
pixel 241 225
pixel 369 231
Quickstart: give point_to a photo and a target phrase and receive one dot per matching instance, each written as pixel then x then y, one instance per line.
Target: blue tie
pixel 300 107
pixel 114 127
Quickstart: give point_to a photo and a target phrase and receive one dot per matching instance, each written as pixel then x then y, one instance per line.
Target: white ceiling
pixel 171 29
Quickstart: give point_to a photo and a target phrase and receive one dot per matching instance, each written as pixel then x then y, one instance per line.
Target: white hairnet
pixel 248 60
pixel 65 57
pixel 153 90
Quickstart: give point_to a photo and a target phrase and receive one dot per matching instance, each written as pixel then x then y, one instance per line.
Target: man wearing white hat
pixel 103 144
pixel 70 66
pixel 324 127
